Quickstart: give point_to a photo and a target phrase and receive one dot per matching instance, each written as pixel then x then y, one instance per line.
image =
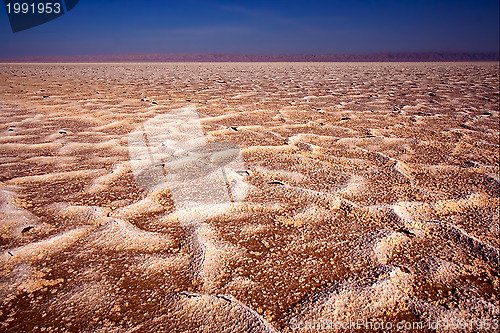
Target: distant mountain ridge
pixel 233 57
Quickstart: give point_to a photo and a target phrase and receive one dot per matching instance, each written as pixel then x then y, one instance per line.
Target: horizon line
pixel 432 56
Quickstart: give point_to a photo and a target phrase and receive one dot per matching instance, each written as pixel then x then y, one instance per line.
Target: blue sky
pixel 154 26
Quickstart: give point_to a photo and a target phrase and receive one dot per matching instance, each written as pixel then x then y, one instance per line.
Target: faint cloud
pixel 213 30
pixel 305 24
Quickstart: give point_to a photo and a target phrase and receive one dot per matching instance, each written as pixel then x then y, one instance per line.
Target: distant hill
pixel 228 57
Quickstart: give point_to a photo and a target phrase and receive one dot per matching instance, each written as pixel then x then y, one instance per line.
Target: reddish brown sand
pixel 373 195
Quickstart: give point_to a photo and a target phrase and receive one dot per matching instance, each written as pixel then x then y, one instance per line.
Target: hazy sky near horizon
pixel 156 26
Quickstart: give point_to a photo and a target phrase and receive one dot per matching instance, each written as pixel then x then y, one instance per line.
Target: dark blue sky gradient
pixel 155 26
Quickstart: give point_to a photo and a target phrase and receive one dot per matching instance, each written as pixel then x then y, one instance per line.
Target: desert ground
pixel 371 192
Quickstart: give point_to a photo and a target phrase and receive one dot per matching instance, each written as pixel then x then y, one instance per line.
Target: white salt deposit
pixel 248 197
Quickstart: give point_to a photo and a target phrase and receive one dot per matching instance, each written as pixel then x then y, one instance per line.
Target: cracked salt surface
pixel 391 214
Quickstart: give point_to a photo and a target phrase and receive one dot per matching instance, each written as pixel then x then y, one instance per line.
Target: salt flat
pixel 372 193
